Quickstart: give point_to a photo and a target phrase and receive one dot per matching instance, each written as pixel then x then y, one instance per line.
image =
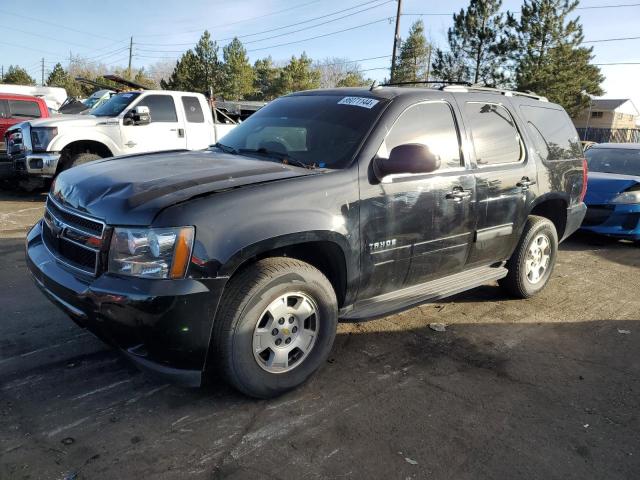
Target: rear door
pixel 164 132
pixel 505 176
pixel 197 130
pixel 5 121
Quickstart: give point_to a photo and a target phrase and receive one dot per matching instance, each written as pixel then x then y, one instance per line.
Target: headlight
pixel 151 252
pixel 630 196
pixel 41 137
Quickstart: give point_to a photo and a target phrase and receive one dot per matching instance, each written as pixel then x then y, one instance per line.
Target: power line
pixel 611 39
pixel 286 26
pixel 593 7
pixel 323 35
pixel 236 22
pixel 33 19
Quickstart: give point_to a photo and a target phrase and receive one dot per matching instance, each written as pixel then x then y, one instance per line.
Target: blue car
pixel 613 190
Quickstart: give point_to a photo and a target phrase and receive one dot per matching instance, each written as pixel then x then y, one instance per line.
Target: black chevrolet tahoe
pixel 324 205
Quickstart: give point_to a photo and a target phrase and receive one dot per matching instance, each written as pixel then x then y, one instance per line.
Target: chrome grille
pixel 74 239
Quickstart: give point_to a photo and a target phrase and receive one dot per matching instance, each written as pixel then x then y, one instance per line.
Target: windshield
pixel 115 105
pixel 614 160
pixel 314 130
pixel 93 99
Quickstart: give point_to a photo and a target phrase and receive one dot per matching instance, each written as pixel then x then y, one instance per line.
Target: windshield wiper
pixel 226 148
pixel 283 157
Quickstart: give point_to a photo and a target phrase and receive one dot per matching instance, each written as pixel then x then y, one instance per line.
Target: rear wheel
pixel 275 327
pixel 532 262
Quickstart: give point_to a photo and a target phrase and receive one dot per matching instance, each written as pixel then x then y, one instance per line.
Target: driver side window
pixel 429 124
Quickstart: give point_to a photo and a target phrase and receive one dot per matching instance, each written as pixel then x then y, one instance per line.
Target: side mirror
pixel 408 158
pixel 137 116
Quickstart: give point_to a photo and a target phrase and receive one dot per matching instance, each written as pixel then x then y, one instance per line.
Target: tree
pixel 58 77
pixel 478 45
pixel 238 74
pixel 297 75
pixel 265 80
pixel 415 52
pixel 549 57
pixel 18 76
pixel 340 72
pixel 198 70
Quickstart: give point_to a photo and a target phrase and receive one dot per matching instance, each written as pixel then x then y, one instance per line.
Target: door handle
pixel 458 194
pixel 525 183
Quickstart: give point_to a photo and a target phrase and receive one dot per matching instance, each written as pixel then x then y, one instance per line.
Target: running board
pixel 434 290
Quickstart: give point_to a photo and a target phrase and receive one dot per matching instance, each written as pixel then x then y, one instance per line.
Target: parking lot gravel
pixel 545 388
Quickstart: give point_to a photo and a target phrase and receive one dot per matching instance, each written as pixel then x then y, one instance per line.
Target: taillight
pixel 585 171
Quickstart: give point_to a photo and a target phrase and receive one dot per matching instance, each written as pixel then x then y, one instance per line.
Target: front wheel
pixel 532 262
pixel 275 327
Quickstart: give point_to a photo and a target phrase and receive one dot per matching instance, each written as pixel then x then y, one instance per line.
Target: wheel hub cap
pixel 286 332
pixel 538 258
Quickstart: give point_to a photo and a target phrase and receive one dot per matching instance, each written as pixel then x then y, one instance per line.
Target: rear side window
pixel 553 133
pixel 4 109
pixel 495 136
pixel 430 124
pixel 193 110
pixel 161 108
pixel 25 109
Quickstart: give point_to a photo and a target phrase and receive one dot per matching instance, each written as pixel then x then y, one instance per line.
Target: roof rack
pixel 425 82
pixel 501 91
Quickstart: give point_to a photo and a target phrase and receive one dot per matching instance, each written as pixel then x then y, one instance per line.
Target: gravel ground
pixel 544 388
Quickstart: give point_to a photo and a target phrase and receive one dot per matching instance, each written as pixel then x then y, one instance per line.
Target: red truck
pixel 14 109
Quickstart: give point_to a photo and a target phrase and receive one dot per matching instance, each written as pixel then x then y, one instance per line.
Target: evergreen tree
pixel 549 57
pixel 297 75
pixel 58 77
pixel 18 76
pixel 198 70
pixel 238 74
pixel 413 62
pixel 478 45
pixel 265 80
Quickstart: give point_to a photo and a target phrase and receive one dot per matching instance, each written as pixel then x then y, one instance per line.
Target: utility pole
pixel 42 82
pixel 130 55
pixel 396 40
pixel 2 75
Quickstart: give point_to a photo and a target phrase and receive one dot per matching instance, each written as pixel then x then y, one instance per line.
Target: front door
pixel 505 177
pixel 417 227
pixel 164 132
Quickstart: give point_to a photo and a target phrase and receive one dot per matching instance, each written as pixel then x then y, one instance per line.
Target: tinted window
pixel 614 160
pixel 193 110
pixel 161 108
pixel 21 108
pixel 430 124
pixel 553 133
pixel 4 110
pixel 495 137
pixel 322 130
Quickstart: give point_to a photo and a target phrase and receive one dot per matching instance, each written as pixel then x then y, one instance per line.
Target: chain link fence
pixel 610 135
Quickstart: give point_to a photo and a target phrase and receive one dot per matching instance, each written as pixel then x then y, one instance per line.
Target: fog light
pixel 35 163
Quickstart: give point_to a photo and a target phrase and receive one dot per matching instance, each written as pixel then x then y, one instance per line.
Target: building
pixel 605 113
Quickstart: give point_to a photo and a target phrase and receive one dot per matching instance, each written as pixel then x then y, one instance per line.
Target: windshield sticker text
pixel 363 102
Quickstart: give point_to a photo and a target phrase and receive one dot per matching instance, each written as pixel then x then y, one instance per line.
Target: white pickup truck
pixel 130 122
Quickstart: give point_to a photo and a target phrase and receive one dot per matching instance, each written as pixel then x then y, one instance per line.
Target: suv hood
pixel 132 190
pixel 604 187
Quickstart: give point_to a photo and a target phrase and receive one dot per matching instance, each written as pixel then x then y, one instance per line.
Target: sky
pixel 160 31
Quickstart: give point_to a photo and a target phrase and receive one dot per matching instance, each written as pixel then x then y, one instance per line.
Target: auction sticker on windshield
pixel 363 102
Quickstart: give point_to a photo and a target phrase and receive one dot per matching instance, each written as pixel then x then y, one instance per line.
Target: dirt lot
pixel 546 388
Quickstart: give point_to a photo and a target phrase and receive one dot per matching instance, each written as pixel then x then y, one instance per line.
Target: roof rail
pixel 501 91
pixel 425 82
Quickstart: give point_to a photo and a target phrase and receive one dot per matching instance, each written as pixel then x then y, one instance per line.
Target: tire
pixel 525 277
pixel 81 158
pixel 249 305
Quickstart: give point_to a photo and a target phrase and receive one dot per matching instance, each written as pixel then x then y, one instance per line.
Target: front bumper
pixel 616 220
pixel 36 164
pixel 162 325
